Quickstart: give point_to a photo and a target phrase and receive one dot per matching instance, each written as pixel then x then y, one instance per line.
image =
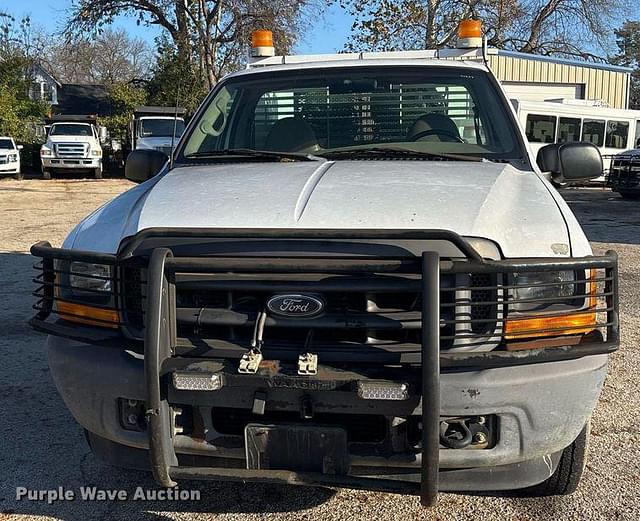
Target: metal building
pixel 532 77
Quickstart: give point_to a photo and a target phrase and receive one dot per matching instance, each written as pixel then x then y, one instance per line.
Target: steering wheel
pixel 437 132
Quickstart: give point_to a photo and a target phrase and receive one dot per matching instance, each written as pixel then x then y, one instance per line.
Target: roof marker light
pixel 469 34
pixel 262 44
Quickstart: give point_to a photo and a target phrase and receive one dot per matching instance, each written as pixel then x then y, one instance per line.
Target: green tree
pixel 173 81
pixel 628 42
pixel 124 98
pixel 18 113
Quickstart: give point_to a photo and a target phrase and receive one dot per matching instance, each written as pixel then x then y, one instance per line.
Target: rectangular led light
pixel 197 381
pixel 381 390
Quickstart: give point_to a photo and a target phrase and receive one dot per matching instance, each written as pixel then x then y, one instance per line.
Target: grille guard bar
pixel 161 323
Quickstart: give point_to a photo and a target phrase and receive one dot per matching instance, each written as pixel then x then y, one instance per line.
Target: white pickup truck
pixel 353 273
pixel 71 147
pixel 9 157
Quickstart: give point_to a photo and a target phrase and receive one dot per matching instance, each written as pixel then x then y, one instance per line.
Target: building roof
pixel 83 99
pixel 565 61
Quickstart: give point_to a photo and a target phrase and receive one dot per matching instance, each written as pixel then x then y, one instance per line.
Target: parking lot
pixel 43 448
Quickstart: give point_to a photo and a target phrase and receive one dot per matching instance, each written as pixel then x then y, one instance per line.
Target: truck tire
pixel 631 196
pixel 46 174
pixel 97 173
pixel 19 175
pixel 566 477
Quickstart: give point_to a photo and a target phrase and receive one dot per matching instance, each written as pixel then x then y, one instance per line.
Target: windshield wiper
pixel 258 154
pixel 396 152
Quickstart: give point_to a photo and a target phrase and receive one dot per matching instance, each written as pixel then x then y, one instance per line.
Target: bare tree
pixel 209 35
pixel 112 57
pixel 560 27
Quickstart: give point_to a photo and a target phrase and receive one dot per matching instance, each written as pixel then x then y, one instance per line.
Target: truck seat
pixel 435 122
pixel 291 135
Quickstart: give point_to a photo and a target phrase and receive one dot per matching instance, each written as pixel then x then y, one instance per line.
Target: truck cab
pixel 353 273
pixel 72 145
pixel 156 128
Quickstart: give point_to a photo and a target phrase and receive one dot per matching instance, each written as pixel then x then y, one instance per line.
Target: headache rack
pixel 198 294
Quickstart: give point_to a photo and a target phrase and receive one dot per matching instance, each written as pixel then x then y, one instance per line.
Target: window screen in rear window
pixel 617 134
pixel 341 119
pixel 540 128
pixel 593 131
pixel 568 130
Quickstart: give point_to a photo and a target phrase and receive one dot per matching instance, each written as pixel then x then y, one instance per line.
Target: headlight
pixel 540 290
pixel 84 293
pixel 13 158
pixel 96 153
pixel 89 278
pixel 45 152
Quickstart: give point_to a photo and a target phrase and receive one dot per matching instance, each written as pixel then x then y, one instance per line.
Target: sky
pixel 328 36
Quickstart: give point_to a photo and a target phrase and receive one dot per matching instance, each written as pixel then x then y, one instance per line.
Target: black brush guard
pixel 161 324
pixel 624 172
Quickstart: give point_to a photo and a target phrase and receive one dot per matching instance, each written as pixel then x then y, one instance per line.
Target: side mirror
pixel 102 134
pixel 569 162
pixel 144 164
pixel 19 147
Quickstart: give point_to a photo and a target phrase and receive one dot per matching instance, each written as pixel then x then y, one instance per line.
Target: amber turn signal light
pixel 88 315
pixel 535 327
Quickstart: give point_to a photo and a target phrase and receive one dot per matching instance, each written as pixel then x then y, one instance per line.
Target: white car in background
pixel 9 157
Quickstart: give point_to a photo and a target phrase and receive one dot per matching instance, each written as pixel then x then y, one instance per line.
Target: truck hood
pixel 515 209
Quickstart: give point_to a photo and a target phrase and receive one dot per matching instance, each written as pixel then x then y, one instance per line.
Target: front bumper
pixel 79 163
pixel 541 409
pixel 541 395
pixel 9 168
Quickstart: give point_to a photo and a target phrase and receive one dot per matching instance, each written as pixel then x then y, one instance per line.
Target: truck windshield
pixel 68 129
pixel 436 112
pixel 6 144
pixel 160 127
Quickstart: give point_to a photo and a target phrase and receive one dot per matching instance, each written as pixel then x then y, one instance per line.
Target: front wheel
pixel 97 173
pixel 566 477
pixel 46 174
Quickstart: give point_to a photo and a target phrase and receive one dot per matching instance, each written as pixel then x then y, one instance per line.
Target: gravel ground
pixel 43 448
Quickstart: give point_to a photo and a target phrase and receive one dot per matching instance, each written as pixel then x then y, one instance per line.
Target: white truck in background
pixel 73 144
pixel 156 128
pixel 10 157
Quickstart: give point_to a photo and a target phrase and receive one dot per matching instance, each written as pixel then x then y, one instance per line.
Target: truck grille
pixel 379 308
pixel 4 160
pixel 214 289
pixel 71 150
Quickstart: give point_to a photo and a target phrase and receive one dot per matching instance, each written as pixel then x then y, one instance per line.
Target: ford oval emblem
pixel 295 305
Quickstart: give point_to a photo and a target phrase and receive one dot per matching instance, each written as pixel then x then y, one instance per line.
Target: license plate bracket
pixel 296 447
